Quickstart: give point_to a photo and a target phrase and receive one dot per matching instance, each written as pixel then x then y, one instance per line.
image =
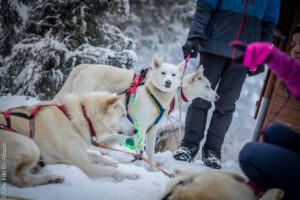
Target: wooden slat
pixel 292 103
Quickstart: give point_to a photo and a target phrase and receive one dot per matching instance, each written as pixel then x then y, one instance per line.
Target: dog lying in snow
pixel 64 137
pixel 213 185
pixel 162 83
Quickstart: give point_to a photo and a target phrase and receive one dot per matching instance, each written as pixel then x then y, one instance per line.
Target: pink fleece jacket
pixel 288 70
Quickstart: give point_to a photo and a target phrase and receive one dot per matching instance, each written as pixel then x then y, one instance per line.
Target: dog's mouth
pixel 131 133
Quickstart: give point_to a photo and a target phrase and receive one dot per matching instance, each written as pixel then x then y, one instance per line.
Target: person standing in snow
pixel 214 25
pixel 275 162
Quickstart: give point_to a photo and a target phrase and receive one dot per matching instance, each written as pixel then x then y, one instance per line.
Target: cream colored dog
pixel 87 77
pixel 213 185
pixel 162 83
pixel 65 138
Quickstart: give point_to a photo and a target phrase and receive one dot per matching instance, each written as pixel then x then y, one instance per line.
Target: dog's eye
pixel 207 86
pixel 123 115
pixel 199 78
pixel 173 74
pixel 163 73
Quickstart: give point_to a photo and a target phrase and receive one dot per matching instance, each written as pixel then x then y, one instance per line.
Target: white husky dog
pixel 162 83
pixel 63 137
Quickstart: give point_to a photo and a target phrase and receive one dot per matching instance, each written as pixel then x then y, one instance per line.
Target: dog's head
pixel 166 76
pixel 108 114
pixel 197 85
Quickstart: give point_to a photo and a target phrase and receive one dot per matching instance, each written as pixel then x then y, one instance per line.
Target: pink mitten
pixel 256 53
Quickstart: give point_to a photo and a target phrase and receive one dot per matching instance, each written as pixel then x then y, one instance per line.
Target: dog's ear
pixel 156 62
pixel 112 102
pixel 200 69
pixel 180 67
pixel 198 74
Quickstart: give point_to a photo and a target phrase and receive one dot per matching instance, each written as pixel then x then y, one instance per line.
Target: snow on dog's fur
pixel 60 138
pixel 213 185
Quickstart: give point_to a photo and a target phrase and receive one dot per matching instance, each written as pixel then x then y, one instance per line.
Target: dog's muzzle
pixel 168 84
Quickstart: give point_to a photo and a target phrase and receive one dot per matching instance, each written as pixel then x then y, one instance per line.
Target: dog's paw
pixel 98 158
pixel 55 179
pixel 132 176
pixel 159 163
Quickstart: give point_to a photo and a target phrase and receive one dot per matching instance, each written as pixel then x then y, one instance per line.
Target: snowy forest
pixel 41 41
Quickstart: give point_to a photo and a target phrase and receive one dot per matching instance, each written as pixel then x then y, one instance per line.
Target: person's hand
pixel 191 47
pixel 255 54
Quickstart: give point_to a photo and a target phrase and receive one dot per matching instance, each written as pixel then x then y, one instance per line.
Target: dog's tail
pixel 67 87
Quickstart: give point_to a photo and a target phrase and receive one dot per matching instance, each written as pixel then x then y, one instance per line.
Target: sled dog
pixel 90 77
pixel 162 83
pixel 213 185
pixel 64 137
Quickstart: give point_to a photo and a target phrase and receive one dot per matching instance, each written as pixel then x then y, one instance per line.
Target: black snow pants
pixel 222 72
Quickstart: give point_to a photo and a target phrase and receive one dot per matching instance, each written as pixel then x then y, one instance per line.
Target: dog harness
pixel 139 80
pixel 31 118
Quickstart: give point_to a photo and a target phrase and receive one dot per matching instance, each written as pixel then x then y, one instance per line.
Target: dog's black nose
pixel 135 131
pixel 217 97
pixel 168 83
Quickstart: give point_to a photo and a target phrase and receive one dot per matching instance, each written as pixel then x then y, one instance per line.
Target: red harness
pixel 139 80
pixel 31 118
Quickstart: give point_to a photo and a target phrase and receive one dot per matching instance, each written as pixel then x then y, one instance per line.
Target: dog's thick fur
pixel 85 78
pixel 88 77
pixel 65 138
pixel 213 185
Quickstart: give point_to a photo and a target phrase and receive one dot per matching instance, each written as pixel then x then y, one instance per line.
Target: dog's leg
pixel 97 157
pixel 150 145
pixel 22 156
pixel 142 131
pixel 97 171
pixel 21 171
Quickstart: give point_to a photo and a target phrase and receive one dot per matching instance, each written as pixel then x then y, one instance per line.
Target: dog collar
pixel 91 127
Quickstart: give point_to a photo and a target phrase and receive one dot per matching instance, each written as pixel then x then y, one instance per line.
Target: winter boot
pixel 211 158
pixel 187 152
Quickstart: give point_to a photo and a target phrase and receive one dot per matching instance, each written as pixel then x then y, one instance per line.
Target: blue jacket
pixel 220 22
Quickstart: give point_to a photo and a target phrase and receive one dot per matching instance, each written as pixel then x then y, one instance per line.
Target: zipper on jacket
pixel 241 25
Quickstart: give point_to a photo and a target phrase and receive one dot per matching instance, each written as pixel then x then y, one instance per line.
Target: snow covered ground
pixel 151 185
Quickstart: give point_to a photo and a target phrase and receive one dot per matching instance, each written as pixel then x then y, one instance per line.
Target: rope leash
pixel 137 157
pixel 179 96
pixel 261 132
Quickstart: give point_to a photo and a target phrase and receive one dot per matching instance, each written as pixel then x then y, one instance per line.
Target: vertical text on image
pixel 4 171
